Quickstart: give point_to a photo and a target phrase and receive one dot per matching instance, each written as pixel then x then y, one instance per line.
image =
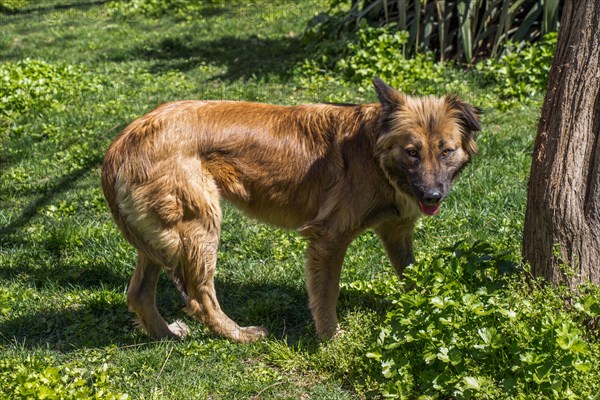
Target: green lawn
pixel 64 326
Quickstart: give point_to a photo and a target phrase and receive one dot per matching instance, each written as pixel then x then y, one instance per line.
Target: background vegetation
pixel 465 30
pixel 465 323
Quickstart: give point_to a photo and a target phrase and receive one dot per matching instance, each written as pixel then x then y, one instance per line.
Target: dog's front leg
pixel 323 267
pixel 397 239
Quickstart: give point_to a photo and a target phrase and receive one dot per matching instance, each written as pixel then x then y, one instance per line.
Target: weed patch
pixel 42 378
pixel 34 86
pixel 469 327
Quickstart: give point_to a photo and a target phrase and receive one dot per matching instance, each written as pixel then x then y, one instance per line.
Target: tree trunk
pixel 562 222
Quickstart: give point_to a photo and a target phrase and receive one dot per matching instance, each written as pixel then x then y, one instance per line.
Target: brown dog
pixel 330 171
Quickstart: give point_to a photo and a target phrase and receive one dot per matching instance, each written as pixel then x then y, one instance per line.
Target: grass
pixel 64 267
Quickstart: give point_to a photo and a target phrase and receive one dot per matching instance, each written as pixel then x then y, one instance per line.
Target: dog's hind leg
pixel 177 219
pixel 141 299
pixel 198 269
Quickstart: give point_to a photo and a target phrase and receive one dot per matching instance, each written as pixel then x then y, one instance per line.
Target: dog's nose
pixel 433 197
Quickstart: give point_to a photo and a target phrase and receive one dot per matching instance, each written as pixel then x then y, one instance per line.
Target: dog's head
pixel 423 143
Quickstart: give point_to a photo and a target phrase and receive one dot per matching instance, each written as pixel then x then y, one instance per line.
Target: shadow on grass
pixel 89 276
pixel 51 190
pixel 243 58
pixel 77 326
pixel 99 320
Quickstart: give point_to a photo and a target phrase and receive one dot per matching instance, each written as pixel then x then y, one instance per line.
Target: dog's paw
pixel 339 332
pixel 332 333
pixel 179 329
pixel 328 331
pixel 252 333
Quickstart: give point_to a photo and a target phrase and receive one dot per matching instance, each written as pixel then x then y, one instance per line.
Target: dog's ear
pixel 388 96
pixel 468 118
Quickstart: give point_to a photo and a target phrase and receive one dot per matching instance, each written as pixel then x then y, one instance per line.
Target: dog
pixel 329 171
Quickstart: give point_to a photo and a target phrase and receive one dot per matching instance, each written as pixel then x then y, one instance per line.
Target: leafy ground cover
pixel 463 324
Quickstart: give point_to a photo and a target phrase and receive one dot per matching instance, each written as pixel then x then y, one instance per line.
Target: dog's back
pixel 273 162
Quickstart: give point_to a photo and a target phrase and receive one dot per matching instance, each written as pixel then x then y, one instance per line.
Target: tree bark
pixel 561 240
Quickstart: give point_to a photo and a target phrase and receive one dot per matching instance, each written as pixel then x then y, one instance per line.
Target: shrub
pixel 466 329
pixel 381 52
pixel 453 29
pixel 521 73
pixel 518 76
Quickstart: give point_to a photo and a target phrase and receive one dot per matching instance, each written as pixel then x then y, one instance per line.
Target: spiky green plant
pixel 460 29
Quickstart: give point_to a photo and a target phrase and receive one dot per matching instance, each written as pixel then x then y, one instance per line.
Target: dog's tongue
pixel 429 210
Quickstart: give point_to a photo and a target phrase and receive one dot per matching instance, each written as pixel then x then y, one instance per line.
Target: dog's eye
pixel 413 153
pixel 447 152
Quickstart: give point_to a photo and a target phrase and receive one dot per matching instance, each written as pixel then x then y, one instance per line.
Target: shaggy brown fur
pixel 329 171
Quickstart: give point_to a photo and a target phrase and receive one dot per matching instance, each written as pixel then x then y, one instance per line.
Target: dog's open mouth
pixel 429 210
